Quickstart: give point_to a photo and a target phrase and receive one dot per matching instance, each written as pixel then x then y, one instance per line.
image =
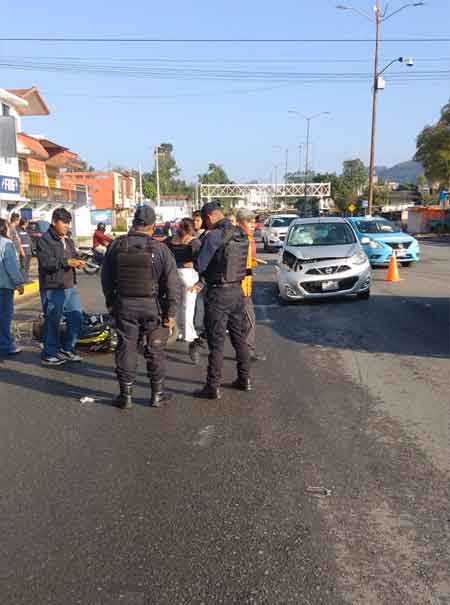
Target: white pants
pixel 186 310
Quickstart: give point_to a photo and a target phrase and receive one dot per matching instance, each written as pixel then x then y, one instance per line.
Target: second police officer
pixel 221 264
pixel 139 281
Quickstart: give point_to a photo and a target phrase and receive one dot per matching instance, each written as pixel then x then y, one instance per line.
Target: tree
pixel 354 174
pixel 215 175
pixel 148 187
pixel 168 169
pixel 169 183
pixel 433 149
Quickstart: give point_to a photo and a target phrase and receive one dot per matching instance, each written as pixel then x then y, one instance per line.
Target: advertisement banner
pixel 101 216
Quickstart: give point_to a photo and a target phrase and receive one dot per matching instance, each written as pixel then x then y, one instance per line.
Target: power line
pixel 114 40
pixel 217 60
pixel 190 73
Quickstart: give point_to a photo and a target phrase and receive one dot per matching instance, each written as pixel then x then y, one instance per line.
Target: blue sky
pixel 237 120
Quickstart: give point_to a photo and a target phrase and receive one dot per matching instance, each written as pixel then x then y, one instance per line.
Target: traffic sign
pixel 352 208
pixel 365 204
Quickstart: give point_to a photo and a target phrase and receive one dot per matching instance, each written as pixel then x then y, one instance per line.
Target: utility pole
pixel 377 10
pixel 141 197
pixel 276 185
pixel 300 147
pixel 308 128
pixel 380 17
pixel 285 174
pixel 158 196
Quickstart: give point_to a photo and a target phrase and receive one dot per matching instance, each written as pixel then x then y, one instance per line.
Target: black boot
pixel 159 396
pixel 242 384
pixel 194 352
pixel 124 400
pixel 207 392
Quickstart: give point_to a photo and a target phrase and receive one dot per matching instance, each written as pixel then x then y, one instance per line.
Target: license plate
pixel 401 253
pixel 330 285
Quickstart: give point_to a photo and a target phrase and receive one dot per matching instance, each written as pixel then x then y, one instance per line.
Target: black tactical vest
pixel 135 268
pixel 229 264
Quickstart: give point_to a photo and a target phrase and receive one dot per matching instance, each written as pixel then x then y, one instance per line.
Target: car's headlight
pixel 374 245
pixel 359 258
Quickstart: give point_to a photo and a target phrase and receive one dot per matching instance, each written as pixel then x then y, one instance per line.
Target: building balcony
pixel 40 193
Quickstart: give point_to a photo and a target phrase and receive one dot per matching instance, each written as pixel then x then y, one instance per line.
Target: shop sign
pixel 9 184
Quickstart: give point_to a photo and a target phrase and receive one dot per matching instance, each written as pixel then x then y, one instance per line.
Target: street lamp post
pixel 308 131
pixel 158 196
pixel 379 18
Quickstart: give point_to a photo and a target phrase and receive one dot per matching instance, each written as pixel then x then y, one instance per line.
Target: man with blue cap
pixel 222 264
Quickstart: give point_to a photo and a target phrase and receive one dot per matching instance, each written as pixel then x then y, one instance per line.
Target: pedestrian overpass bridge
pixel 268 191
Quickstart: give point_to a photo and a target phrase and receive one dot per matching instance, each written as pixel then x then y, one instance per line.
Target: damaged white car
pixel 322 257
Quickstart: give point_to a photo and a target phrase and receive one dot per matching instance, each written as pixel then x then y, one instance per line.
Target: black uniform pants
pixel 134 317
pixel 250 323
pixel 224 310
pixel 25 262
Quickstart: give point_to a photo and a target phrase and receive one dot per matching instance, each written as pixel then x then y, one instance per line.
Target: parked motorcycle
pixel 93 260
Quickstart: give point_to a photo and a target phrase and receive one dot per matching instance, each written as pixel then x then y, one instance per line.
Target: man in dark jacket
pixel 221 264
pixel 58 259
pixel 140 284
pixel 25 241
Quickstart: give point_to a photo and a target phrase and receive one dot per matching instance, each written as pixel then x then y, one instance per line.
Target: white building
pixel 13 105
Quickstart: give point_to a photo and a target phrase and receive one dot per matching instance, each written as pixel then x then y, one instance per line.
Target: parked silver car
pixel 322 257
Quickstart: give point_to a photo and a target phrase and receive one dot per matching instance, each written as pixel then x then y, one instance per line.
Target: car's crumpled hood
pixel 320 253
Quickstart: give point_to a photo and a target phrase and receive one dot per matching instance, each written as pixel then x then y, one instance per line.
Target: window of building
pixel 52 183
pixel 35 178
pixel 5 110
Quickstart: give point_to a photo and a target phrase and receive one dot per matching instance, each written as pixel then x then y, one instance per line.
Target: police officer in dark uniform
pixel 139 281
pixel 221 264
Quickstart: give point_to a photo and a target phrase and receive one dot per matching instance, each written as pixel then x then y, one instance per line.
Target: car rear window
pixel 284 221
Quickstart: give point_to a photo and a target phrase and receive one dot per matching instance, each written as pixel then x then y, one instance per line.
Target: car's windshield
pixel 321 234
pixel 282 221
pixel 377 226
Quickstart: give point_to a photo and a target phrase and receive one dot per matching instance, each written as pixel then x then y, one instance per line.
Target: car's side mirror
pixel 365 241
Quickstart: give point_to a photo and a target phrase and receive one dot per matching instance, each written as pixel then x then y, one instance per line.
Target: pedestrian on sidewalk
pixel 246 220
pixel 25 241
pixel 184 246
pixel 58 259
pixel 10 280
pixel 13 230
pixel 140 283
pixel 198 223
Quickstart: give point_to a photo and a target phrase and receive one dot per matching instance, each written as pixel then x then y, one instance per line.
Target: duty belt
pixel 227 285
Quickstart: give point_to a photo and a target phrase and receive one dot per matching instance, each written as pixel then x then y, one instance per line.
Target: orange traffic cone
pixel 393 274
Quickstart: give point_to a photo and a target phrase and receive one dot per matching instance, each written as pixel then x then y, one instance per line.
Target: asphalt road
pixel 209 502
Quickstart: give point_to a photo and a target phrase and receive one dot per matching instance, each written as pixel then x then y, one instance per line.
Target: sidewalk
pixel 31 289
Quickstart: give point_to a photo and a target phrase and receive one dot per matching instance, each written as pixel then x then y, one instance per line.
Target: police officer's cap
pixel 209 208
pixel 144 216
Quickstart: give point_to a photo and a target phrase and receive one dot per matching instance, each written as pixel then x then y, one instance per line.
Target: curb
pixel 29 291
